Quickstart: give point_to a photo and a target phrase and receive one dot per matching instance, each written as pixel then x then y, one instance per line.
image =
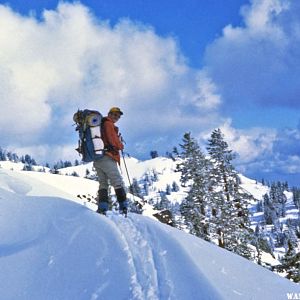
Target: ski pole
pixel 126 169
pixel 137 202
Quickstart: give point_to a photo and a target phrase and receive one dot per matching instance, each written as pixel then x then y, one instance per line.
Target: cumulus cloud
pixel 265 153
pixel 288 142
pixel 259 62
pixel 45 153
pixel 249 144
pixel 257 66
pixel 68 59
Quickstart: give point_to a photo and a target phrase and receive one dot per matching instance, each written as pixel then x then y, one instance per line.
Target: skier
pixel 107 167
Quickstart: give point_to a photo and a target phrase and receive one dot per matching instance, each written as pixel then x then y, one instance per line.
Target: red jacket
pixel 111 139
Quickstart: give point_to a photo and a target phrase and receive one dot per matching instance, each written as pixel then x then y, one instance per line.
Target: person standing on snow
pixel 107 167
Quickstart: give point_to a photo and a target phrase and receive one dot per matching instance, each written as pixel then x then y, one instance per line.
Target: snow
pixel 54 248
pixel 256 189
pixel 164 168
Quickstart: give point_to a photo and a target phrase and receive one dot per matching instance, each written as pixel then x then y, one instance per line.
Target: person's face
pixel 115 116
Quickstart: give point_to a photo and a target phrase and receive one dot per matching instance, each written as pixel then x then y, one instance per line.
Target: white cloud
pixel 68 59
pixel 264 151
pixel 260 15
pixel 250 144
pixel 293 165
pixel 44 153
pixel 259 61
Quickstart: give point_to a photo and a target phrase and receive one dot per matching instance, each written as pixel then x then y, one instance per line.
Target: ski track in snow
pixel 103 272
pixel 152 255
pixel 140 257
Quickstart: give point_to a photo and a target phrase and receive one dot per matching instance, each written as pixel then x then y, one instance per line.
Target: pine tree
pixel 278 198
pixel 175 187
pixel 190 158
pixel 175 152
pixel 67 164
pixel 146 188
pixel 154 176
pixel 269 210
pixel 135 188
pixel 170 155
pixel 290 233
pixel 259 206
pixel 153 154
pixel 163 203
pixel 27 167
pixel 296 197
pixel 230 223
pixel 168 189
pixel 275 204
pixel 261 243
pixel 3 156
pixel 12 157
pixel 193 168
pixel 28 159
pixel 75 174
pixel 290 263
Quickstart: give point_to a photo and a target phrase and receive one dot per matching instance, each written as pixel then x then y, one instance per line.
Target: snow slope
pixel 53 248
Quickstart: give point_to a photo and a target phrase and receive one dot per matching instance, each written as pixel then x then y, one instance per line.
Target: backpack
pixel 88 125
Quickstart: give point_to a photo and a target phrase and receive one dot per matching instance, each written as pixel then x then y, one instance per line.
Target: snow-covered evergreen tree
pixel 175 187
pixel 163 203
pixel 154 175
pixel 2 155
pixel 261 243
pixel 168 189
pixel 290 263
pixel 259 206
pixel 67 164
pixel 12 156
pixel 153 154
pixel 194 175
pixel 146 188
pixel 296 196
pixel 269 210
pixel 8 155
pixel 29 160
pixel 229 222
pixel 278 198
pixel 135 188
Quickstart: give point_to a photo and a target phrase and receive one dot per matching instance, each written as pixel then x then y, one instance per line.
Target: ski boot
pixel 102 201
pixel 122 199
pixel 123 207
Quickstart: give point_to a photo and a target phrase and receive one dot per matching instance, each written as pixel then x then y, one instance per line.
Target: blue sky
pixel 194 23
pixel 173 66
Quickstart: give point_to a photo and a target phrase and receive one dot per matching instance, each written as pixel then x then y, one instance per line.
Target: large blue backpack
pixel 88 125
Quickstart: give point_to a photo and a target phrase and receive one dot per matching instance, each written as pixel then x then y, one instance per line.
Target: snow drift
pixel 53 248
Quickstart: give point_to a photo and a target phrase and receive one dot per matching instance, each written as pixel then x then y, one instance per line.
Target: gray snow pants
pixel 108 173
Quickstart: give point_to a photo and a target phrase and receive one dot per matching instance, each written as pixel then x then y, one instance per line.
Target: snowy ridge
pixel 164 171
pixel 53 248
